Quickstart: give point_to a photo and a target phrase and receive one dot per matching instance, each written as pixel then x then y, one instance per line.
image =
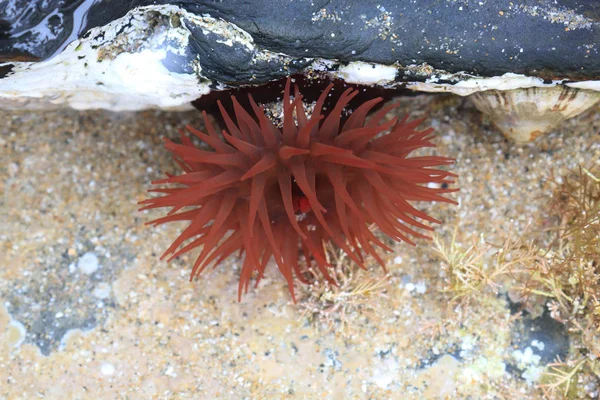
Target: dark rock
pixel 543 336
pixel 546 38
pixel 237 64
pixel 5 69
pixel 58 297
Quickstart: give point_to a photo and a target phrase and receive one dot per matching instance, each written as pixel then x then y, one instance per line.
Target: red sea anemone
pixel 281 192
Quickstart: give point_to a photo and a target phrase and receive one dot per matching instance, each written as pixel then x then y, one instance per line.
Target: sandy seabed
pixel 89 311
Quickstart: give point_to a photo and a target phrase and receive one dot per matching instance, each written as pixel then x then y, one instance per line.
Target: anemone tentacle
pixel 280 193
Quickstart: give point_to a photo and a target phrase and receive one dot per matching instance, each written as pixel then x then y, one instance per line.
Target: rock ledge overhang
pixel 135 55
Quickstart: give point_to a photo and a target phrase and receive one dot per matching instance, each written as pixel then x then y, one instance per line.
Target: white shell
pixel 524 114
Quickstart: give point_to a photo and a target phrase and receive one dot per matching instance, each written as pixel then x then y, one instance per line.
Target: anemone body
pixel 283 193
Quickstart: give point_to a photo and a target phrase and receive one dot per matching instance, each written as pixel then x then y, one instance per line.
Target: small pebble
pixel 102 291
pixel 88 263
pixel 15 334
pixel 107 369
pixel 421 287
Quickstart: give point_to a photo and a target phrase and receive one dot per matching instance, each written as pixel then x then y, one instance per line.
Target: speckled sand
pixel 89 311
